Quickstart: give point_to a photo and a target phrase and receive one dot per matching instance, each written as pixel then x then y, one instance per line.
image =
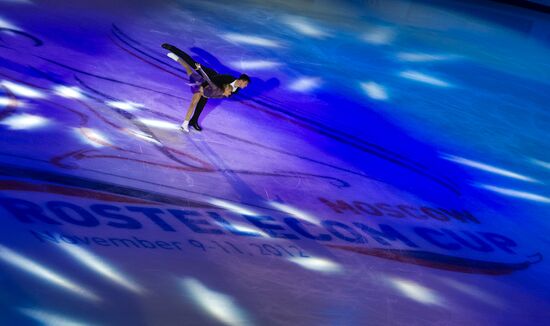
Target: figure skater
pixel 205 83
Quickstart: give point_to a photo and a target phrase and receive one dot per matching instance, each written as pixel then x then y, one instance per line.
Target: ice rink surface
pixel 387 165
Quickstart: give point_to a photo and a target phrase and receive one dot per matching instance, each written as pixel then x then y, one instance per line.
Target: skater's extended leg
pixel 190 62
pixel 188 69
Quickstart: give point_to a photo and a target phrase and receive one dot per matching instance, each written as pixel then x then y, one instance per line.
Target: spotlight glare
pixel 161 124
pixel 515 193
pixel 24 121
pixel 22 90
pixel 8 101
pixel 415 291
pixel 68 92
pixel 142 135
pixel 304 27
pixel 50 319
pixel 424 78
pixel 305 84
pixel 100 266
pixel 322 265
pixel 246 229
pixel 6 24
pixel 422 57
pixel 487 167
pixel 375 91
pixel 250 40
pixel 232 207
pixel 218 305
pixel 17 1
pixel 124 105
pixel 21 262
pixel 474 292
pixel 294 212
pixel 255 64
pixel 379 36
pixel 92 137
pixel 541 163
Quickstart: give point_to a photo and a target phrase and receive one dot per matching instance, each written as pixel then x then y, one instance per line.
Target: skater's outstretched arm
pixel 218 91
pixel 205 76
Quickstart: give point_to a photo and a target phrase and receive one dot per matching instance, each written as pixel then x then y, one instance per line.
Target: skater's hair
pixel 245 78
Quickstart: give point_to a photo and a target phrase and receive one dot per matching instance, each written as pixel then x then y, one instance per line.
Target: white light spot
pixel 487 167
pixel 22 90
pixel 254 64
pixel 305 84
pixel 317 264
pixel 515 193
pixel 8 101
pixel 544 164
pixel 21 262
pixel 246 229
pixel 6 24
pixel 294 212
pixel 24 121
pixel 92 137
pixel 232 207
pixel 250 40
pixel 124 105
pixel 474 292
pixel 379 36
pixel 423 57
pixel 375 91
pixel 17 1
pixel 101 267
pixel 304 27
pixel 415 291
pixel 68 92
pixel 423 78
pixel 50 319
pixel 161 124
pixel 142 135
pixel 218 305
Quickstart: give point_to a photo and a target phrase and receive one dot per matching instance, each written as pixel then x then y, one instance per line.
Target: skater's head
pixel 242 81
pixel 227 90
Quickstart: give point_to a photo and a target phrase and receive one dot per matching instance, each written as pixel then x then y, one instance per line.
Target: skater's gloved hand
pixel 197 66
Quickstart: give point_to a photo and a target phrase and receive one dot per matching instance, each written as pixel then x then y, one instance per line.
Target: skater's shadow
pixel 239 186
pixel 247 195
pixel 256 87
